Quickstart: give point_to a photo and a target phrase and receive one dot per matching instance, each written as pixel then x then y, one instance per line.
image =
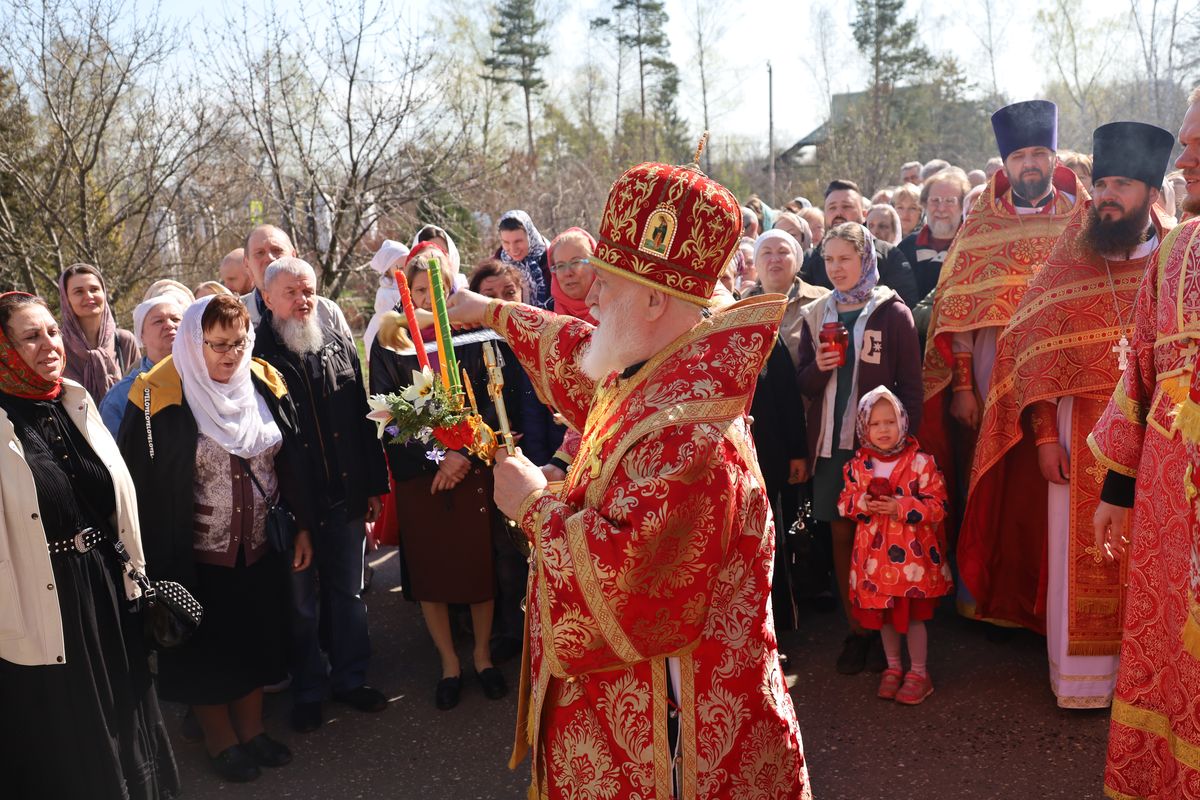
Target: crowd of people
pixel 939 388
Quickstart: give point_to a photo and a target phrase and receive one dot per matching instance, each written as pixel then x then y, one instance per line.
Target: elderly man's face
pixel 911 175
pixel 266 245
pixel 292 296
pixel 620 306
pixel 944 209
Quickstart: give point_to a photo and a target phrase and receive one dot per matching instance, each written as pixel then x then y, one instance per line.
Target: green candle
pixel 443 324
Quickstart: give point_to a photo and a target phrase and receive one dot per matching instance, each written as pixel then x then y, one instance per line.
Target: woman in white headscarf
pixel 438 235
pixel 387 259
pixel 208 449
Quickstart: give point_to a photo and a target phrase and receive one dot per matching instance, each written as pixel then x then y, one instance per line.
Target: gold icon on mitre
pixel 659 232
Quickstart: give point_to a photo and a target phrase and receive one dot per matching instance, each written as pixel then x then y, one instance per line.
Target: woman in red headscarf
pixel 80 715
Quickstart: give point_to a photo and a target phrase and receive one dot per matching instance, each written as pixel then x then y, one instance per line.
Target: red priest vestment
pixel 987 270
pixel 1058 345
pixel 1154 740
pixel 659 545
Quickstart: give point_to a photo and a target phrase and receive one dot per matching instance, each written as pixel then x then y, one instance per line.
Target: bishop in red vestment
pixel 1026 549
pixel 651 667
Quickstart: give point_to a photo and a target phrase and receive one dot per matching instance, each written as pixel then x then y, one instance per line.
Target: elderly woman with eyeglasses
pixel 208 435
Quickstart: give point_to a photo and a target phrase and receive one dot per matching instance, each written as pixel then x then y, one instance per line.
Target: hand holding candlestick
pixel 495 364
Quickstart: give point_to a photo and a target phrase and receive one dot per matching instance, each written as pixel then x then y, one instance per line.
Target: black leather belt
pixel 81 542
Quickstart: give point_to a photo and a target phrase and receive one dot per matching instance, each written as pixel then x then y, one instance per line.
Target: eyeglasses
pixel 573 264
pixel 943 201
pixel 221 348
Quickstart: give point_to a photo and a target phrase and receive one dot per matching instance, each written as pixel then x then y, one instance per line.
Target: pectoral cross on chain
pixel 1122 349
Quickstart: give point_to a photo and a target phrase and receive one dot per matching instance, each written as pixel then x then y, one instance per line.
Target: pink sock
pixel 891 646
pixel 918 646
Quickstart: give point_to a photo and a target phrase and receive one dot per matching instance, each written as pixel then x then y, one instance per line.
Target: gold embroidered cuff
pixel 1043 418
pixel 525 514
pixel 1106 462
pixel 963 380
pixel 491 316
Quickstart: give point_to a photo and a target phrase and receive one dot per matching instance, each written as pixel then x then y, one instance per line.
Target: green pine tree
pixel 645 35
pixel 518 52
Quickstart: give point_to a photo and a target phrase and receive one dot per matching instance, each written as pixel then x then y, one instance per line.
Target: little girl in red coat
pixel 898 568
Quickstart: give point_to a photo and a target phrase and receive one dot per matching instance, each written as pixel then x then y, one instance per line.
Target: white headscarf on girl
pixel 233 414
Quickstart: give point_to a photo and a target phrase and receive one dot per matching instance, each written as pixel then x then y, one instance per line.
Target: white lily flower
pixel 380 414
pixel 422 388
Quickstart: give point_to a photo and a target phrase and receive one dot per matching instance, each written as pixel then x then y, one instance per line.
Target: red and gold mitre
pixel 669 227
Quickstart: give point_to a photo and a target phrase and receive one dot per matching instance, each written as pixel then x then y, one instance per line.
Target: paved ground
pixel 991 729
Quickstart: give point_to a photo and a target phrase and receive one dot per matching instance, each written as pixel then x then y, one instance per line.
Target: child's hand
pixel 887 506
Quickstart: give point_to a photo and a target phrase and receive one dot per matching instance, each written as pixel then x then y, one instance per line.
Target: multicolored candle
pixel 410 314
pixel 449 363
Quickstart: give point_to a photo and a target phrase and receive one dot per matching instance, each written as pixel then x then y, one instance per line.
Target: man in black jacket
pixel 844 203
pixel 349 474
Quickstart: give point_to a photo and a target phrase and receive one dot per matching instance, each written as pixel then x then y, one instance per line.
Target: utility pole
pixel 771 135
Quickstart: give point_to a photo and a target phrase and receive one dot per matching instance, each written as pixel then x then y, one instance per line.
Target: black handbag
pixel 170 615
pixel 280 525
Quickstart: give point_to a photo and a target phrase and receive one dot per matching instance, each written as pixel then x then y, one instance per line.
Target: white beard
pixel 300 336
pixel 613 345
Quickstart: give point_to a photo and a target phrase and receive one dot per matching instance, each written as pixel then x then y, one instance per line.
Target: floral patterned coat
pixel 897 557
pixel 659 546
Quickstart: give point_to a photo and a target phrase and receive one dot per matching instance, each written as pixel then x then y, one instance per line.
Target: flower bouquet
pixel 426 412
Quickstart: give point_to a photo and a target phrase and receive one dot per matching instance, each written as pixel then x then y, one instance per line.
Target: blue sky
pixel 780 32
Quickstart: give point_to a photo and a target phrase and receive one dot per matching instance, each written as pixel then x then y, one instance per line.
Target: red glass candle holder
pixel 835 334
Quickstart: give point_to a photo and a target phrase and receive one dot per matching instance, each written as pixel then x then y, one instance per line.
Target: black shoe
pixel 268 752
pixel 853 659
pixel 364 698
pixel 876 658
pixel 235 765
pixel 189 728
pixel 493 683
pixel 306 717
pixel 448 692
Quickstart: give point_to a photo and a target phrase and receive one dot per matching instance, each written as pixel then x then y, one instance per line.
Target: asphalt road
pixel 990 730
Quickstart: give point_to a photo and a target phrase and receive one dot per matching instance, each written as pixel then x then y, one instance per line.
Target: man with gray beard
pixel 321 367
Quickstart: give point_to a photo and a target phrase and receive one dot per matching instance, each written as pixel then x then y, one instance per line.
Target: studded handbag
pixel 170 613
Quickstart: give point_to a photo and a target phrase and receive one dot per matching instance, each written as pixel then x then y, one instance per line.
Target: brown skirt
pixel 446 539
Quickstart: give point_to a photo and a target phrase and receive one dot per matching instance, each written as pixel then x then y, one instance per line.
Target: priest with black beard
pixel 1027 547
